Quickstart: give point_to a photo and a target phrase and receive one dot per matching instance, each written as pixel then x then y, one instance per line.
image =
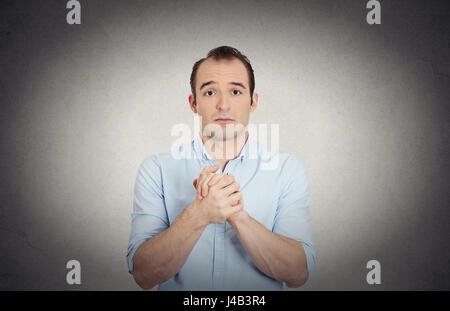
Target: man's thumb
pixel 210 169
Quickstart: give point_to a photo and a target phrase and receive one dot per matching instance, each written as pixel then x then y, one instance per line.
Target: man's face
pixel 223 98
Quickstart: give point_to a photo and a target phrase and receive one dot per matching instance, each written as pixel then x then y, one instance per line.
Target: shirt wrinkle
pixel 278 198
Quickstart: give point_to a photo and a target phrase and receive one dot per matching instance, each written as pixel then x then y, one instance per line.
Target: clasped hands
pixel 218 196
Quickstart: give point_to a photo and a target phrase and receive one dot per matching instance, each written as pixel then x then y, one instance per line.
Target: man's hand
pixel 201 183
pixel 222 201
pixel 208 179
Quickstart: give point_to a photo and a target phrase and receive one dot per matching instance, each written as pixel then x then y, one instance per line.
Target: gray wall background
pixel 365 107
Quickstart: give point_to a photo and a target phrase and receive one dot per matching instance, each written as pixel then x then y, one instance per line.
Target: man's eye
pixel 209 93
pixel 236 92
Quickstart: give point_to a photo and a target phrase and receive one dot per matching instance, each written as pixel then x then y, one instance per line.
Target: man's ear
pixel 254 102
pixel 192 103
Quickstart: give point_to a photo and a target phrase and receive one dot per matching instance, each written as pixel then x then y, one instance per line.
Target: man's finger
pixel 225 181
pixel 202 181
pixel 209 169
pixel 234 209
pixel 231 188
pixel 235 198
pixel 204 174
pixel 195 183
pixel 198 185
pixel 204 186
pixel 215 179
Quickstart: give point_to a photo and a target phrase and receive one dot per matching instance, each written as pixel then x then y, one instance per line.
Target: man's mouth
pixel 224 120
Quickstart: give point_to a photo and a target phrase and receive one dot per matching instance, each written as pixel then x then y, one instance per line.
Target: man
pixel 207 217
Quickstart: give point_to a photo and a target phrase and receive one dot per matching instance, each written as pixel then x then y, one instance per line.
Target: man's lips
pixel 224 120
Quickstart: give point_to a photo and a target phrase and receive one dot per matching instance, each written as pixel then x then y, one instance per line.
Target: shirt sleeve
pixel 292 218
pixel 149 216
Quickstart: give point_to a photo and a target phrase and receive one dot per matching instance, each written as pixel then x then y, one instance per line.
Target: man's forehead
pixel 223 70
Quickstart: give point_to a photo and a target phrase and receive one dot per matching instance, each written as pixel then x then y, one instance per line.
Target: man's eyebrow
pixel 214 82
pixel 206 84
pixel 238 84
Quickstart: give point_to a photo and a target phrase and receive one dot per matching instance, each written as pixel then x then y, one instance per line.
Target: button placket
pixel 219 255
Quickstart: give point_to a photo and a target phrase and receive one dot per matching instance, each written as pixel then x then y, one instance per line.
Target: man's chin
pixel 222 133
pixel 222 137
pixel 226 136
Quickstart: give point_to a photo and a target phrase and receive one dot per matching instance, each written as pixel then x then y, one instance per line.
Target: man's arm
pixel 162 256
pixel 275 255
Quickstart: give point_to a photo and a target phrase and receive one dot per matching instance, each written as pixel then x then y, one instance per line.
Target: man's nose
pixel 223 103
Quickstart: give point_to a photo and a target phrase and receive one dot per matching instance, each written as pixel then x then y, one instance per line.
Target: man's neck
pixel 225 150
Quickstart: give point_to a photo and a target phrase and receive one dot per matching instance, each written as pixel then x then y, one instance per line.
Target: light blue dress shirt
pixel 277 196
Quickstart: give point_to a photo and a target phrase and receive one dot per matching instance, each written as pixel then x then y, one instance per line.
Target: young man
pixel 208 217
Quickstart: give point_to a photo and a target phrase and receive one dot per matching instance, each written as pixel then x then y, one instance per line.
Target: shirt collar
pixel 202 153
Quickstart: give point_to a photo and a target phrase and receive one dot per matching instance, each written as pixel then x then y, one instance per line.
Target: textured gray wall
pixel 365 107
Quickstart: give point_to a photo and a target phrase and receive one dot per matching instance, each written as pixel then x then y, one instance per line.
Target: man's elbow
pixel 143 281
pixel 299 280
pixel 143 275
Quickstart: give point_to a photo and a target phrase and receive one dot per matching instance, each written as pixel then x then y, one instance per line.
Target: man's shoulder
pixel 286 161
pixel 289 163
pixel 292 160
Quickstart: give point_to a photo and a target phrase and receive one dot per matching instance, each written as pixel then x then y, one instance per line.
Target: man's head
pixel 222 87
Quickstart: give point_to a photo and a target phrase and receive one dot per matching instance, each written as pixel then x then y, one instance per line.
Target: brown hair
pixel 225 52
